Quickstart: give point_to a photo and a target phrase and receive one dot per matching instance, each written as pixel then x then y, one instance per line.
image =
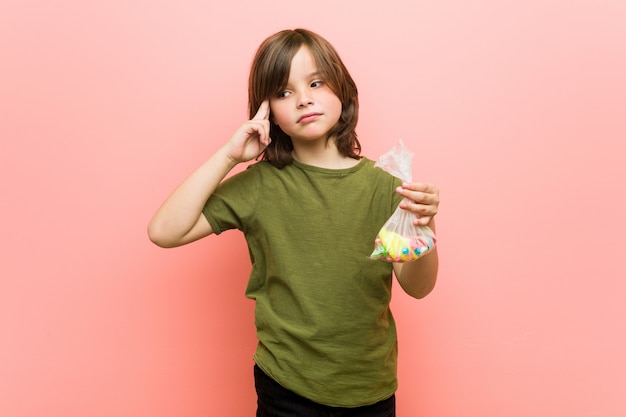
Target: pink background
pixel 517 110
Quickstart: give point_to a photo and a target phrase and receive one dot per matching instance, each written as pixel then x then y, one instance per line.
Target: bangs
pixel 274 66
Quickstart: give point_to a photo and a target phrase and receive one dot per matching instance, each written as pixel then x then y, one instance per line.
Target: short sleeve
pixel 232 204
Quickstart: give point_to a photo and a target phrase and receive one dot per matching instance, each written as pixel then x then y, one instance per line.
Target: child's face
pixel 307 109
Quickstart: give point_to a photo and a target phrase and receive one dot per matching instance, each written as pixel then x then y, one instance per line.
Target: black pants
pixel 276 401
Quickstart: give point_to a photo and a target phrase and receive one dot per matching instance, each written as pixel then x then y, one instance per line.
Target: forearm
pixel 178 220
pixel 418 278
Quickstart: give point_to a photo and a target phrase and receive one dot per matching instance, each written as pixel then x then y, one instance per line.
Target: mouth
pixel 309 117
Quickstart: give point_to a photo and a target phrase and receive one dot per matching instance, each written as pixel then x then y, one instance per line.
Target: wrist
pixel 227 159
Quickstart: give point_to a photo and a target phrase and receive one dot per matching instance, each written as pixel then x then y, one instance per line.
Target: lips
pixel 309 117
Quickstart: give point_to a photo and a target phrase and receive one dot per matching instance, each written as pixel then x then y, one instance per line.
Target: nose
pixel 304 99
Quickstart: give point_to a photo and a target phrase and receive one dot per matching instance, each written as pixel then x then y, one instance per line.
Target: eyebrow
pixel 310 75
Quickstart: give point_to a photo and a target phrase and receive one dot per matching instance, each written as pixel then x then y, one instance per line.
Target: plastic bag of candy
pixel 399 240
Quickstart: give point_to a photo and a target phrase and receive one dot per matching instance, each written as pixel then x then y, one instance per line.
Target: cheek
pixel 277 114
pixel 336 106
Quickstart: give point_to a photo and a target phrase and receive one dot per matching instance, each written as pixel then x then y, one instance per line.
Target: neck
pixel 323 154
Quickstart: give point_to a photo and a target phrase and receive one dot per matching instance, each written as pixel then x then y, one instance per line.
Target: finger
pixel 264 111
pixel 260 128
pixel 419 197
pixel 265 136
pixel 423 214
pixel 422 221
pixel 419 209
pixel 420 186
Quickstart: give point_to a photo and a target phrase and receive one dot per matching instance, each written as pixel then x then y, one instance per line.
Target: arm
pixel 418 278
pixel 180 220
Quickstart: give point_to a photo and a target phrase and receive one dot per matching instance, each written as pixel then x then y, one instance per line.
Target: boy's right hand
pixel 252 137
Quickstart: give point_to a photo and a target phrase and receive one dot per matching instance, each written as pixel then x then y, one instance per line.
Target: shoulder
pixel 260 176
pixel 264 169
pixel 244 183
pixel 251 173
pixel 370 169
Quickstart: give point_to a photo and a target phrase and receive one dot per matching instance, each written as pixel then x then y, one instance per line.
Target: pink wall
pixel 516 109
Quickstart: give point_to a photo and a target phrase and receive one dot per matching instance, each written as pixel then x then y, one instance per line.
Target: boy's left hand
pixel 424 201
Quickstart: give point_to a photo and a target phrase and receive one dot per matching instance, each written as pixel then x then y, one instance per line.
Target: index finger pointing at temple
pixel 264 111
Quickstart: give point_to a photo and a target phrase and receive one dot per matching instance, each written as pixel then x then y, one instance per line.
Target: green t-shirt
pixel 322 313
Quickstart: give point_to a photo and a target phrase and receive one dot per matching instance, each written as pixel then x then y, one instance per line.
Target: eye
pixel 283 94
pixel 317 83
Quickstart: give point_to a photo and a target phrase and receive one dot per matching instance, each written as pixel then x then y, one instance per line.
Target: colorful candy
pixel 393 247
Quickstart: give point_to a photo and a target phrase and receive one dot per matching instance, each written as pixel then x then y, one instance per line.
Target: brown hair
pixel 269 75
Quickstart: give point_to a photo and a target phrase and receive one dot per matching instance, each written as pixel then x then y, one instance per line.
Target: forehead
pixel 303 63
